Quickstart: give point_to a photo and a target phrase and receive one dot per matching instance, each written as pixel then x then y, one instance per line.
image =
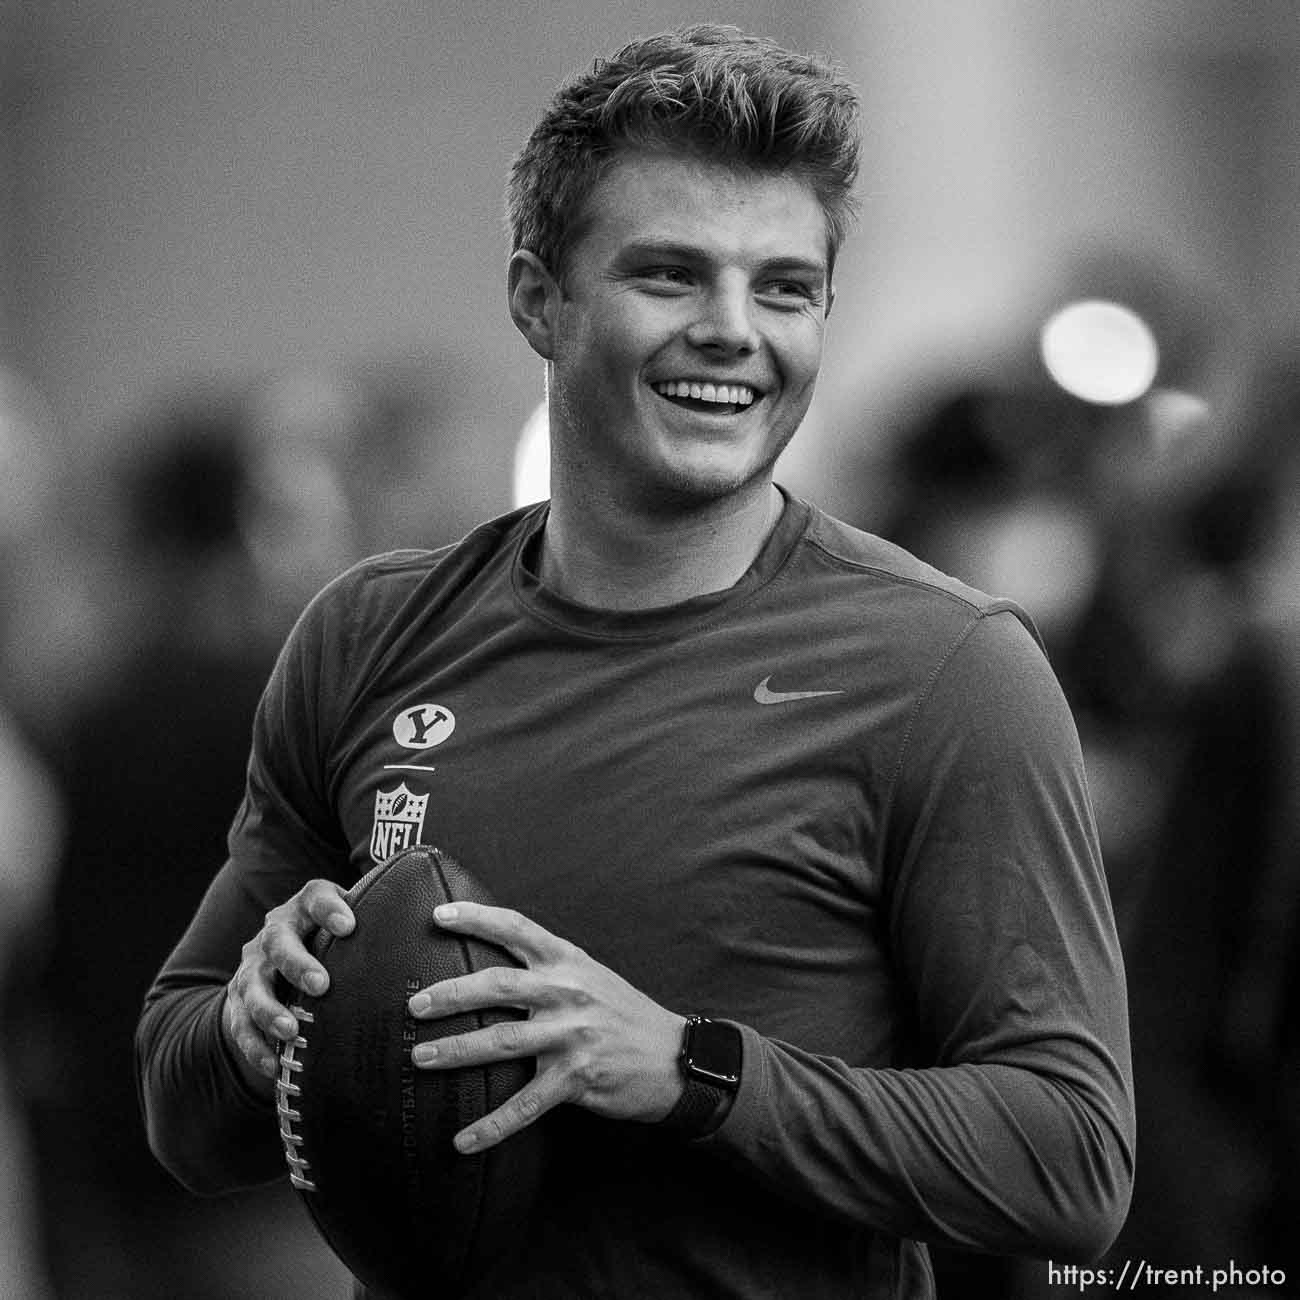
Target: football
pixel 368 1137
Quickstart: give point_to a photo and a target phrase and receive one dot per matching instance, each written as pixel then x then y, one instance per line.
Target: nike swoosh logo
pixel 765 696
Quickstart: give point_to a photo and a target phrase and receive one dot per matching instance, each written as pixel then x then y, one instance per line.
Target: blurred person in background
pixel 345 458
pixel 31 820
pixel 1133 533
pixel 1257 1047
pixel 148 753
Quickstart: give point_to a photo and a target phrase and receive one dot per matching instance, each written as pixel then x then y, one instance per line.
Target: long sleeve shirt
pixel 840 804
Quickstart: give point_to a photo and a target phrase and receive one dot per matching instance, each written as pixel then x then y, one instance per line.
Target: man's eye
pixel 674 275
pixel 792 291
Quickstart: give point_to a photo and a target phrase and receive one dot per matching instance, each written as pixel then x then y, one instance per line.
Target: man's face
pixel 689 333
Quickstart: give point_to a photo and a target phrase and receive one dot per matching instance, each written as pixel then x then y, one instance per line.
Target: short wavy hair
pixel 706 91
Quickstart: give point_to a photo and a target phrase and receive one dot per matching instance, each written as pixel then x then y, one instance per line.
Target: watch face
pixel 714 1052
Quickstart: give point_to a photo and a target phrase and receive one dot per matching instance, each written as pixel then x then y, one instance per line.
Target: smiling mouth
pixel 707 398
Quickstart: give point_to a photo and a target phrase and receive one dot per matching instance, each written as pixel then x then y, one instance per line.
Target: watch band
pixel 710 1062
pixel 695 1109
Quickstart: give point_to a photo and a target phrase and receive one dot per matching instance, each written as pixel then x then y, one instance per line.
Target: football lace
pixel 285 1091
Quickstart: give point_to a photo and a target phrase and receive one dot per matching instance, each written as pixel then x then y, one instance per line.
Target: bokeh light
pixel 533 459
pixel 1101 352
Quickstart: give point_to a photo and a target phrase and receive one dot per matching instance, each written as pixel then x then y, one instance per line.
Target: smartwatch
pixel 710 1062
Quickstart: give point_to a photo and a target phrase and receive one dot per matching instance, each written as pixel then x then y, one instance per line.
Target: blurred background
pixel 253 327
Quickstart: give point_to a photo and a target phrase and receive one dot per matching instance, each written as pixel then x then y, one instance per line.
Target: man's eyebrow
pixel 795 265
pixel 674 250
pixel 667 248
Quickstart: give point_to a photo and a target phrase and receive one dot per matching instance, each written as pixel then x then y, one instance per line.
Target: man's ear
pixel 534 296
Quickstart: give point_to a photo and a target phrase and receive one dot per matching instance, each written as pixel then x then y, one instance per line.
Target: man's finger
pixel 322 906
pixel 494 986
pixel 273 1019
pixel 253 1048
pixel 507 1040
pixel 285 952
pixel 258 1007
pixel 531 1102
pixel 516 933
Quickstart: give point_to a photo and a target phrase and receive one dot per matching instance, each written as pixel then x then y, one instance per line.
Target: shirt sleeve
pixel 204 1123
pixel 1009 1127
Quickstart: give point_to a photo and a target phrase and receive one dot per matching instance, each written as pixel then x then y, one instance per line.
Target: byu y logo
pixel 399 821
pixel 423 725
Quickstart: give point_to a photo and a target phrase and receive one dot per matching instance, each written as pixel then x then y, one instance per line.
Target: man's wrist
pixel 699 1111
pixel 710 1061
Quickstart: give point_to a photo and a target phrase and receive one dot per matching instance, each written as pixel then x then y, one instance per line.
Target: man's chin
pixel 682 490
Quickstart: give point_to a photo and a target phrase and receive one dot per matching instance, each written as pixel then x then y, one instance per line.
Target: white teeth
pixel 726 394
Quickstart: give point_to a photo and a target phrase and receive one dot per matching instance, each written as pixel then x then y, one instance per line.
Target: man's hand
pixel 253 1020
pixel 599 1042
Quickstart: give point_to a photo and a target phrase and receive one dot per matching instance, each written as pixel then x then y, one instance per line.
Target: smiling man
pixel 818 959
pixel 683 340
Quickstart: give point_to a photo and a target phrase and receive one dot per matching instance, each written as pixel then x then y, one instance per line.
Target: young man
pixel 718 754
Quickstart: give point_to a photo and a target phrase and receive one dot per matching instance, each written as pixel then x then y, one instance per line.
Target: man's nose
pixel 726 320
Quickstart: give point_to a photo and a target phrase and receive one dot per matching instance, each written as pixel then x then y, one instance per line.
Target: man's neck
pixel 621 560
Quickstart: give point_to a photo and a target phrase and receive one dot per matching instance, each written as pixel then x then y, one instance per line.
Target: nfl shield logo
pixel 399 821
